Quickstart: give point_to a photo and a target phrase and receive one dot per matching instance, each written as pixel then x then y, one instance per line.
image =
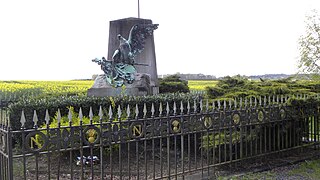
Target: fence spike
pixel 246 102
pixel 250 102
pixel 188 106
pixel 168 108
pixel 195 106
pixel 224 104
pixel 160 109
pixel 213 105
pixel 207 105
pixel 235 103
pixel 137 111
pixel 80 115
pixel 201 106
pixel 90 115
pixel 219 104
pixel 110 113
pixel 59 116
pixel 47 117
pixel 128 111
pixel 152 109
pixel 181 107
pixel 277 99
pixel 100 113
pixel 265 101
pixel 70 116
pixel 35 118
pixel 174 108
pixel 230 103
pixel 269 100
pixel 22 120
pixel 260 101
pixel 144 110
pixel 119 112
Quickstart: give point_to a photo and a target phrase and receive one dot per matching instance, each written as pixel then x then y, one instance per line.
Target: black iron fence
pixel 173 141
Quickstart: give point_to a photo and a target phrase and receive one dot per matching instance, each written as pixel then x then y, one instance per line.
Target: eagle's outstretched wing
pixel 138 35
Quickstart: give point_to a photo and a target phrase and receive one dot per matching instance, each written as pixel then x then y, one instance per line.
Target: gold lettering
pixel 34 140
pixel 137 130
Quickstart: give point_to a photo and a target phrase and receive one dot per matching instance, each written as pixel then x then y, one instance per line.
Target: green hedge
pixel 173 84
pixel 63 103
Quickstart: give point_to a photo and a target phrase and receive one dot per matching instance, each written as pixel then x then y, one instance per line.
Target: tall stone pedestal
pixel 143 86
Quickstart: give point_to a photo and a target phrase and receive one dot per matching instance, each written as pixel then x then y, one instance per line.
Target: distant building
pixel 191 76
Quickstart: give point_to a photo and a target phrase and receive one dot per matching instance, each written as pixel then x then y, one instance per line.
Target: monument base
pixel 141 86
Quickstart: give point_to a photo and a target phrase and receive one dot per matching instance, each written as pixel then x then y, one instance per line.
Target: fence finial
pixel 213 105
pixel 90 115
pixel 188 106
pixel 128 111
pixel 207 105
pixel 152 110
pixel 174 108
pixel 119 112
pixel 100 113
pixel 160 109
pixel 23 119
pixel 80 115
pixel 47 117
pixel 181 107
pixel 70 116
pixel 137 111
pixel 35 118
pixel 144 110
pixel 168 108
pixel 110 113
pixel 59 116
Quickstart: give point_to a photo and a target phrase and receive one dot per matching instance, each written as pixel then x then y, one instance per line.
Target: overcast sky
pixel 56 39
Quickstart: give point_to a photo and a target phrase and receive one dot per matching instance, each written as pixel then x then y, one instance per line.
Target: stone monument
pixel 130 67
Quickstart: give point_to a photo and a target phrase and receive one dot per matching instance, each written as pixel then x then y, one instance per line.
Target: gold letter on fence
pixel 35 141
pixel 137 130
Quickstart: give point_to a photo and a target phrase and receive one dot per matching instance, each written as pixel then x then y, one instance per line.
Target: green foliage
pixel 309 45
pixel 173 84
pixel 64 102
pixel 214 92
pixel 230 82
pixel 239 87
pixel 308 169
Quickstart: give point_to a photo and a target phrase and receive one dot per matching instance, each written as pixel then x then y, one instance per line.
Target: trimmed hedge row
pixel 52 104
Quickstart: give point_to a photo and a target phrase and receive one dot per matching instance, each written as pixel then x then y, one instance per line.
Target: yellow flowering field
pixel 36 88
pixel 198 85
pixel 14 89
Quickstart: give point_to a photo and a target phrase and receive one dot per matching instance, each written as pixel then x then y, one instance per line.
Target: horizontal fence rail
pixel 161 141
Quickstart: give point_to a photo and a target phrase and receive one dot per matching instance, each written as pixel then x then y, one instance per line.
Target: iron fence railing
pixel 191 139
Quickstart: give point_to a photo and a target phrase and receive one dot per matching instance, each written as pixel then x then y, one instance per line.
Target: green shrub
pixel 214 92
pixel 63 103
pixel 173 84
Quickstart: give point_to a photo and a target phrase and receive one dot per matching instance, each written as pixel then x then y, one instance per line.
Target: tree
pixel 309 45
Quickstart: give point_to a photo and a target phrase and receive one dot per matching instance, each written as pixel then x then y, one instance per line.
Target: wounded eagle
pixel 120 69
pixel 129 49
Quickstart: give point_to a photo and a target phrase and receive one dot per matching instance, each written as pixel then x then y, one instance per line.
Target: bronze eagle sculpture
pixel 121 68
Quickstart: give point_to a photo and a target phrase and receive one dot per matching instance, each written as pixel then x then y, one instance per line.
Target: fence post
pixel 9 148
